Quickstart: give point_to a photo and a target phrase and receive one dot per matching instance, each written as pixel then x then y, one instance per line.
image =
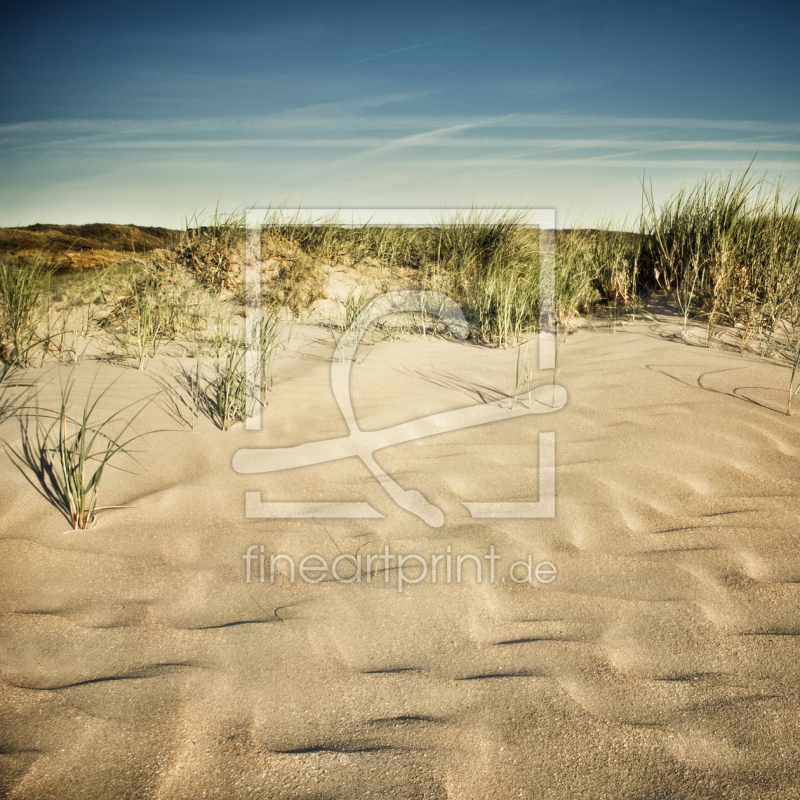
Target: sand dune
pixel 662 662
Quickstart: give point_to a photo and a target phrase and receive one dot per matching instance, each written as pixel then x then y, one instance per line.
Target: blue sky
pixel 149 112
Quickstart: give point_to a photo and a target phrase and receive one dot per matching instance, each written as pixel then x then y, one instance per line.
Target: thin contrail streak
pixel 415 46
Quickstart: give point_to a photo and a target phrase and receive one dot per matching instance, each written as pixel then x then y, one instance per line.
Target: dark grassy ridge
pixel 79 247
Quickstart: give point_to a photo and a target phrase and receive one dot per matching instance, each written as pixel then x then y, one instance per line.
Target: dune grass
pixel 231 388
pixel 196 389
pixel 149 307
pixel 272 333
pixel 219 327
pixel 490 265
pixel 729 250
pixel 76 451
pixel 239 370
pixel 21 288
pixel 353 306
pixel 212 250
pixel 523 377
pixel 147 336
pixel 488 261
pixel 9 403
pixel 297 256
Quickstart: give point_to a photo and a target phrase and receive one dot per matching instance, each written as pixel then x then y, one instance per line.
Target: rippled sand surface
pixel 662 662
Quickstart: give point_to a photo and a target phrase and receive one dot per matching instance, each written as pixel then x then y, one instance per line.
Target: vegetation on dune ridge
pixel 212 252
pixel 730 251
pixel 727 251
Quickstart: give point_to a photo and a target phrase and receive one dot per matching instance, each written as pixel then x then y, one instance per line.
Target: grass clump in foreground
pixel 76 451
pixel 232 385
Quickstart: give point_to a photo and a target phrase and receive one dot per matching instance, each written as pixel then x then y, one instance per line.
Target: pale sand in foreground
pixel 663 662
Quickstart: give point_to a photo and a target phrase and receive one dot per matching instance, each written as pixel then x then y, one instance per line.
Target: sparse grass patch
pixel 76 451
pixel 236 364
pixel 219 326
pixel 148 334
pixel 354 304
pixel 271 335
pixel 151 307
pixel 21 288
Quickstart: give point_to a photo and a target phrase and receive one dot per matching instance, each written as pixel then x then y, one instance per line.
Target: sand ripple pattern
pixel 664 662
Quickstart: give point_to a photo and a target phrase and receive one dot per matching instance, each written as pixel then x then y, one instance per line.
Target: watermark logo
pixel 405 570
pixel 542 400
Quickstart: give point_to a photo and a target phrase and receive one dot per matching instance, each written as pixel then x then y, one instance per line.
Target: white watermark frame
pixel 545 399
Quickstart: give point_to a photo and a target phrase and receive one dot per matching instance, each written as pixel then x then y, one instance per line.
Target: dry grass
pixel 213 252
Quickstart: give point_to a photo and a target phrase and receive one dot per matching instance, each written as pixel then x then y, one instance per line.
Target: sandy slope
pixel 663 662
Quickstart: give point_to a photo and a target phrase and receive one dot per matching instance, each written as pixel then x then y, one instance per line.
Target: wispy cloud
pixel 360 152
pixel 346 115
pixel 360 139
pixel 417 46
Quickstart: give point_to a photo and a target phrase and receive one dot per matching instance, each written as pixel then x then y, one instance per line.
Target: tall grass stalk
pixel 196 391
pixel 219 326
pixel 148 335
pixel 524 375
pixel 271 333
pixel 354 304
pixel 232 386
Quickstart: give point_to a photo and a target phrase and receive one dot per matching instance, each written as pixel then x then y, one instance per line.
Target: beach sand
pixel 663 661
